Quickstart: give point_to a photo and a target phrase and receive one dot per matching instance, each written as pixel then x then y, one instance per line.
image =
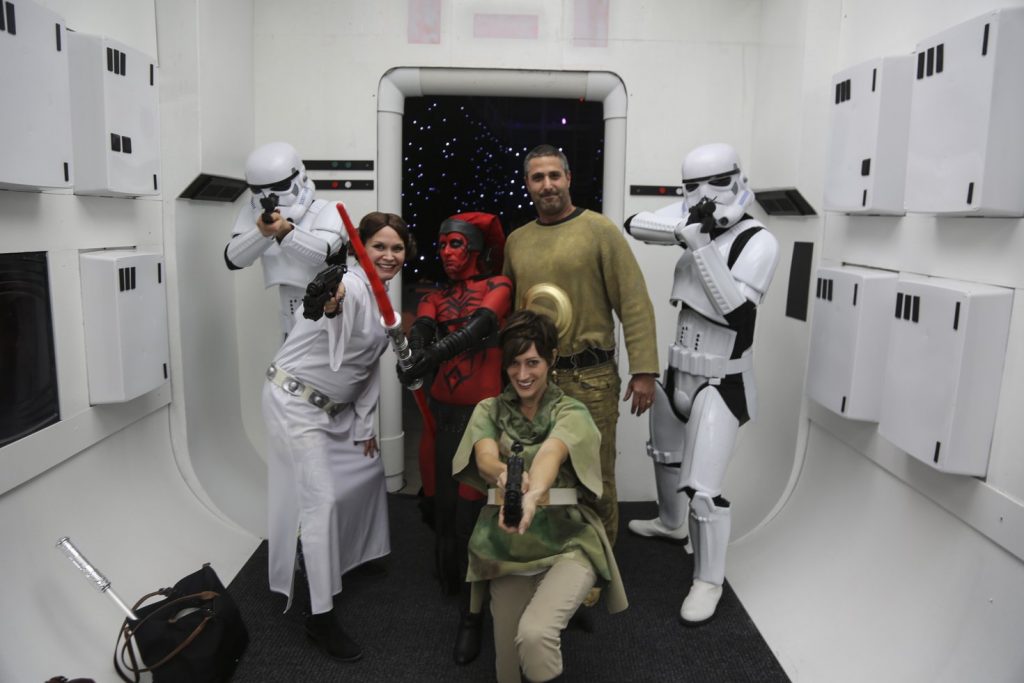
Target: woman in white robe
pixel 319 402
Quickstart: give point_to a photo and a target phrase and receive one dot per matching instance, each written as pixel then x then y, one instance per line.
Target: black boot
pixel 326 632
pixel 467 641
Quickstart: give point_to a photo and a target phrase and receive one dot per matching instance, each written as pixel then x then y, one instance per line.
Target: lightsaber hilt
pixel 400 343
pixel 95 576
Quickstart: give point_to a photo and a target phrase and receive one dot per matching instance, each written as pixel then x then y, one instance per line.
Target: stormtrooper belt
pixel 706 364
pixel 304 392
pixel 552 497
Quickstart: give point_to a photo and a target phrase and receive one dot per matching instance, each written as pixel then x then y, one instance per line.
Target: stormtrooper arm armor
pixel 718 280
pixel 247 242
pixel 755 268
pixel 651 228
pixel 312 246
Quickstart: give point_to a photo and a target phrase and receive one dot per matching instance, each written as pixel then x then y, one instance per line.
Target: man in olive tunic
pixel 576 265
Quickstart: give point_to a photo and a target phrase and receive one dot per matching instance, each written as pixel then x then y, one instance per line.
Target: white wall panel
pixel 849 335
pixel 943 371
pixel 868 137
pixel 125 313
pixel 35 123
pixel 116 123
pixel 966 153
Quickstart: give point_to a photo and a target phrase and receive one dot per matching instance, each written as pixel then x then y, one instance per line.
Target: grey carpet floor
pixel 407 627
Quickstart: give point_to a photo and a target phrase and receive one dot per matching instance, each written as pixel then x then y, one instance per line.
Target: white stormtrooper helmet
pixel 277 168
pixel 713 172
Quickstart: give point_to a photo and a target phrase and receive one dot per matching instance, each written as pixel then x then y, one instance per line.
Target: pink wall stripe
pixel 590 23
pixel 505 26
pixel 424 17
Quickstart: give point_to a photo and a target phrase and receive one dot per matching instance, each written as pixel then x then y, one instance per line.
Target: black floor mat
pixel 407 627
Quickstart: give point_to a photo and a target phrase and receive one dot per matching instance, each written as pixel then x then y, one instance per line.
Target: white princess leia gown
pixel 319 479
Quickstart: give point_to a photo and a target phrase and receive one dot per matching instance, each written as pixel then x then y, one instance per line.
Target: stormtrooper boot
pixel 709 533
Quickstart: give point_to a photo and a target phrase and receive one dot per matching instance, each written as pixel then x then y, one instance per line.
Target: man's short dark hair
pixel 544 151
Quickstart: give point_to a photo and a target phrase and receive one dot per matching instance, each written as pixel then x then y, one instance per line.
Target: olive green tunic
pixel 557 532
pixel 588 258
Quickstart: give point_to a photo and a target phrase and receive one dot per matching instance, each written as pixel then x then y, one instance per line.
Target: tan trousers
pixel 529 615
pixel 598 388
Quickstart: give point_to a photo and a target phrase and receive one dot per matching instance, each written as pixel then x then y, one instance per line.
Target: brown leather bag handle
pixel 127 632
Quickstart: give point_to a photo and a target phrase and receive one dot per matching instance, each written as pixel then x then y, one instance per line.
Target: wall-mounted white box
pixel 943 371
pixel 116 125
pixel 966 150
pixel 35 117
pixel 124 309
pixel 849 336
pixel 869 127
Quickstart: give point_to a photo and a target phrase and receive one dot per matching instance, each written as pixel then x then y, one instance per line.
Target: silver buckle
pixel 318 399
pixel 271 372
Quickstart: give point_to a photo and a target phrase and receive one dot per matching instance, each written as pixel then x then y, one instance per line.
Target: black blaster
pixel 514 487
pixel 703 212
pixel 269 204
pixel 322 288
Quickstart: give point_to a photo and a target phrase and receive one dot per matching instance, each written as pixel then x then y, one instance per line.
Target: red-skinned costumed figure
pixel 456 334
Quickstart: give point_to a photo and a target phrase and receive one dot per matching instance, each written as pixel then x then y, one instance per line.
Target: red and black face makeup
pixel 459 262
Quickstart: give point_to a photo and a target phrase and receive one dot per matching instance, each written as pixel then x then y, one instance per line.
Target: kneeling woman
pixel 541 570
pixel 319 404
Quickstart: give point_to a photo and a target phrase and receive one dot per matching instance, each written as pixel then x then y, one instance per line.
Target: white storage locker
pixel 35 119
pixel 867 152
pixel 966 150
pixel 943 371
pixel 849 334
pixel 124 309
pixel 116 118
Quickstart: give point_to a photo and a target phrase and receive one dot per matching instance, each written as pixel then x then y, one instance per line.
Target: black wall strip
pixel 874 79
pixel 338 164
pixel 12 26
pixel 656 190
pixel 956 316
pixel 984 42
pixel 854 293
pixel 938 446
pixel 899 304
pixel 799 280
pixel 970 193
pixel 56 30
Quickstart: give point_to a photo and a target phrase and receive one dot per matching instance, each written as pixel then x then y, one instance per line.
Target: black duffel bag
pixel 195 634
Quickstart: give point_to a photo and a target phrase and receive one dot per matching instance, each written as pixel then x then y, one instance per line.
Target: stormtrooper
pixel 282 224
pixel 708 389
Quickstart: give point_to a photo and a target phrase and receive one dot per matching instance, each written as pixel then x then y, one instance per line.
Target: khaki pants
pixel 598 388
pixel 530 613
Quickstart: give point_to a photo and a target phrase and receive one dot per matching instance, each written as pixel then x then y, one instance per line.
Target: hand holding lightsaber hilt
pixel 94 575
pixel 400 343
